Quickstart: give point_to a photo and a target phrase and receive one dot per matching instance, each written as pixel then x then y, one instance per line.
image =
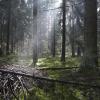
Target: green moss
pixel 55 62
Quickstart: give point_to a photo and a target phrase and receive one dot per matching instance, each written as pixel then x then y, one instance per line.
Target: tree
pixel 35 44
pixel 90 34
pixel 63 31
pixel 8 27
pixel 73 34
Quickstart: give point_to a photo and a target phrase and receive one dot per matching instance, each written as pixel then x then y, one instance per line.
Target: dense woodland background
pixel 59 37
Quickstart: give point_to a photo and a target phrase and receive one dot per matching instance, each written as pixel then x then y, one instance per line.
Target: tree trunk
pixel 54 44
pixel 64 32
pixel 78 51
pixel 53 41
pixel 73 35
pixel 1 37
pixel 35 44
pixel 8 27
pixel 73 49
pixel 90 34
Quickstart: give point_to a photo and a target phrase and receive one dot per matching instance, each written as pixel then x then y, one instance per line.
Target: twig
pixel 12 89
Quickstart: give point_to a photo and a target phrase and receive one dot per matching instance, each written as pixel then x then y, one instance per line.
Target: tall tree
pixel 63 31
pixel 54 42
pixel 35 35
pixel 8 27
pixel 90 34
pixel 73 34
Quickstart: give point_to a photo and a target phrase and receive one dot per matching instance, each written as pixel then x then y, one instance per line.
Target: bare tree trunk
pixel 54 44
pixel 53 41
pixel 35 44
pixel 64 32
pixel 78 51
pixel 8 27
pixel 73 36
pixel 90 34
pixel 1 36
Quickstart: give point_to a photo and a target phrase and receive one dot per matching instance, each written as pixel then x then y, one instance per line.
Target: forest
pixel 49 50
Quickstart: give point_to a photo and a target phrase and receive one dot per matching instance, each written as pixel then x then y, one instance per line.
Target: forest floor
pixel 70 71
pixel 50 68
pixel 19 65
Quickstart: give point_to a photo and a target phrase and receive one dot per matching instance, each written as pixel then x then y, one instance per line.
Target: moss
pixel 55 62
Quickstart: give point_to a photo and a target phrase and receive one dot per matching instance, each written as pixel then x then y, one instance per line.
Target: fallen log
pixel 57 68
pixel 49 79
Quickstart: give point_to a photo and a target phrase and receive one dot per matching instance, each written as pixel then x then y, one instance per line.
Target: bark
pixel 35 44
pixel 78 51
pixel 8 27
pixel 90 34
pixel 73 36
pixel 1 36
pixel 64 32
pixel 53 42
pixel 73 48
